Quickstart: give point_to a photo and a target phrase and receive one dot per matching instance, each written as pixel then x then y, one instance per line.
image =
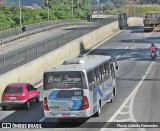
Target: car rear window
pixel 13 90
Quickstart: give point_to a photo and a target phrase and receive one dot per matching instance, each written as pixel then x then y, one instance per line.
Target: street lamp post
pixel 48 10
pixel 127 11
pixel 20 14
pixel 72 9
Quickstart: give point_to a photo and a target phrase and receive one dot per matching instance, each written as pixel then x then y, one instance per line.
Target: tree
pixel 109 6
pixel 118 3
pixel 155 1
pixel 58 9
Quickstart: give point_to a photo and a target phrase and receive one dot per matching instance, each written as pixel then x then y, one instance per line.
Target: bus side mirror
pixel 116 66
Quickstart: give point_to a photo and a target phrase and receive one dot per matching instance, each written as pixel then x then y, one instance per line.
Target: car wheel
pixel 38 99
pixel 4 107
pixel 27 104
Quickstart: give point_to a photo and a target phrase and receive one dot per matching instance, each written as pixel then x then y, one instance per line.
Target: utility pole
pixel 20 14
pixel 48 9
pixel 72 9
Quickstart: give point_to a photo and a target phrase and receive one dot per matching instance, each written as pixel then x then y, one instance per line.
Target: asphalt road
pixel 137 98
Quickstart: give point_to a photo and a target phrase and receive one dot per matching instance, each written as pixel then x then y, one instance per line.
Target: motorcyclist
pixel 153 49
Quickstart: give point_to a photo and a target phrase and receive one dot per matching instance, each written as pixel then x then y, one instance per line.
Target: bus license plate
pixel 65 115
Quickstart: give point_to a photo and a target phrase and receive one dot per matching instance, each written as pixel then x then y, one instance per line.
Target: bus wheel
pixel 99 111
pixel 111 99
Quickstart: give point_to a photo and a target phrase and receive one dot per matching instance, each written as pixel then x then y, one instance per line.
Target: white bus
pixel 79 87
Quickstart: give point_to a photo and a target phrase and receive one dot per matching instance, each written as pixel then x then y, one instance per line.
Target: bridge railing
pixel 20 32
pixel 17 33
pixel 31 52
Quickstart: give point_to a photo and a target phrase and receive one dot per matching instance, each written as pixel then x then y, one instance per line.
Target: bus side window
pixel 97 74
pixel 112 70
pixel 109 70
pixel 102 73
pixel 106 69
pixel 91 81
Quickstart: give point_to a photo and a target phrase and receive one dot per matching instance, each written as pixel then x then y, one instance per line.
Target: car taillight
pixel 45 104
pixel 20 97
pixel 4 97
pixel 85 102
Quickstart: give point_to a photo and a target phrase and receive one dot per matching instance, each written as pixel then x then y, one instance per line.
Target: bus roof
pixel 80 63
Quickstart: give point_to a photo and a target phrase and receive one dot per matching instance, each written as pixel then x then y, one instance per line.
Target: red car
pixel 19 94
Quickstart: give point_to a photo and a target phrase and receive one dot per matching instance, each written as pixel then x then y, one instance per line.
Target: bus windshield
pixel 72 79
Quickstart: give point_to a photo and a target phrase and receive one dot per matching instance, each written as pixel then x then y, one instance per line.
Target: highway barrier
pixel 21 32
pixel 122 20
pixel 33 71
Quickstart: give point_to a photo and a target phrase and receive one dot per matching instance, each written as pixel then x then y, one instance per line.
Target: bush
pixel 142 9
pixel 110 12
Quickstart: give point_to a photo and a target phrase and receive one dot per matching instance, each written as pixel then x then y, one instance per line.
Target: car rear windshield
pixel 13 90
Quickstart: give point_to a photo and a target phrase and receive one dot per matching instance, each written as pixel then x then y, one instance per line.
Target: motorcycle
pixel 153 55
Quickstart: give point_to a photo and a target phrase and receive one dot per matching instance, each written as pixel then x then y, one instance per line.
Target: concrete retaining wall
pixel 33 71
pixel 135 21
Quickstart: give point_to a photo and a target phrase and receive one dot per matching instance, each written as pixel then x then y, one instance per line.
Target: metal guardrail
pixel 17 33
pixel 25 54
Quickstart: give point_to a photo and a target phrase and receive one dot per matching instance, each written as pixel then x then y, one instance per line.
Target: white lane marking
pixel 118 56
pixel 115 129
pixel 124 112
pixel 132 97
pixel 129 97
pixel 139 34
pixel 42 119
pixel 18 60
pixel 4 114
pixel 126 48
pixel 102 42
pixel 39 85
